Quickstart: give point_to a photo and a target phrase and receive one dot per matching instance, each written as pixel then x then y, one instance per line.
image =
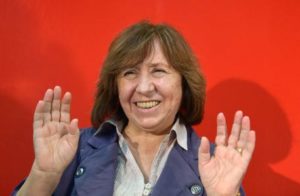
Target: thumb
pixel 204 152
pixel 74 130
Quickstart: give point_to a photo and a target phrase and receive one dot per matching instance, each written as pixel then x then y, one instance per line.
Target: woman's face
pixel 150 93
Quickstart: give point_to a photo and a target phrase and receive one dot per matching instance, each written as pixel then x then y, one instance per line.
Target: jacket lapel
pixel 95 174
pixel 181 171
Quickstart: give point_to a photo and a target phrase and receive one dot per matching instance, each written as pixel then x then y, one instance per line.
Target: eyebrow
pixel 151 65
pixel 158 64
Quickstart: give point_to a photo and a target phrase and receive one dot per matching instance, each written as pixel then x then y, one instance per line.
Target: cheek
pixel 177 90
pixel 121 91
pixel 125 90
pixel 172 89
pixel 178 97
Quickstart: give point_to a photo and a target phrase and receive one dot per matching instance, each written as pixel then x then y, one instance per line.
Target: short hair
pixel 129 49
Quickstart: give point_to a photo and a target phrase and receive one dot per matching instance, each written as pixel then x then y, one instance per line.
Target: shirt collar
pixel 181 134
pixel 178 128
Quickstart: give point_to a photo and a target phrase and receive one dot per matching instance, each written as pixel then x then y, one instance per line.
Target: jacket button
pixel 196 189
pixel 80 171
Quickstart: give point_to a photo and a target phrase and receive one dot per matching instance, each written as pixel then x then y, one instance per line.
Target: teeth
pixel 147 104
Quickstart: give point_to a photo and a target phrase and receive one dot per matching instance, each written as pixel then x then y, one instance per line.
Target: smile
pixel 147 104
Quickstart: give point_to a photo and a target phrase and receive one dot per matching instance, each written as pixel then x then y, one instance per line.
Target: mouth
pixel 146 104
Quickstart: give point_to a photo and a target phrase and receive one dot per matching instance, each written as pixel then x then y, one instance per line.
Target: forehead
pixel 156 56
pixel 153 55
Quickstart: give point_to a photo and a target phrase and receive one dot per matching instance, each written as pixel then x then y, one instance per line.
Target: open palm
pixel 222 172
pixel 55 135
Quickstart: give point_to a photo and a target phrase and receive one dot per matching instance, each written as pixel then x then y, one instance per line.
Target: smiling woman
pixel 160 45
pixel 149 94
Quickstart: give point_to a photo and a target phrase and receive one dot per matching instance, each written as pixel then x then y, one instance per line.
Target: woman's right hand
pixel 55 141
pixel 55 135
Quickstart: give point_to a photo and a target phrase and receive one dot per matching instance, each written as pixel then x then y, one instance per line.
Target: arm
pixel 55 140
pixel 222 173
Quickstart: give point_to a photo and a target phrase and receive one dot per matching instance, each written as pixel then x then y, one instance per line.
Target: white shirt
pixel 129 177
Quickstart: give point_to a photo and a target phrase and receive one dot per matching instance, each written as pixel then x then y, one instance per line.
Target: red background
pixel 249 51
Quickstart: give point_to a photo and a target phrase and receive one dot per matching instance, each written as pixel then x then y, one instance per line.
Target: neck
pixel 143 138
pixel 144 146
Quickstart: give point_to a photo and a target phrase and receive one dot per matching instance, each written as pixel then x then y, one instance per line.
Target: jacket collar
pixel 105 135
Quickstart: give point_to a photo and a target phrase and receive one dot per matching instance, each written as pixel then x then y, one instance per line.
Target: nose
pixel 145 85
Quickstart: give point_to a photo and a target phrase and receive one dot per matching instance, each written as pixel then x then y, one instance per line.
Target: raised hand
pixel 55 141
pixel 222 173
pixel 55 135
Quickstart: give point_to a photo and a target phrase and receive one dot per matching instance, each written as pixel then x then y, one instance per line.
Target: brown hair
pixel 130 48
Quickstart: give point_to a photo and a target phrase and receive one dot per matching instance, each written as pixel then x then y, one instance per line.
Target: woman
pixel 149 94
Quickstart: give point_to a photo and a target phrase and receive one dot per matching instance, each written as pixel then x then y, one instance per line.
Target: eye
pixel 129 73
pixel 126 73
pixel 158 72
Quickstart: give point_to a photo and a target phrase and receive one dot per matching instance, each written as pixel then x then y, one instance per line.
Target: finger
pixel 65 108
pixel 48 97
pixel 38 117
pixel 244 132
pixel 221 130
pixel 249 146
pixel 74 133
pixel 235 131
pixel 74 130
pixel 55 113
pixel 204 152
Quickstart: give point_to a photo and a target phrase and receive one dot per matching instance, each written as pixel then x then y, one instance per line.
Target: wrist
pixel 45 172
pixel 40 182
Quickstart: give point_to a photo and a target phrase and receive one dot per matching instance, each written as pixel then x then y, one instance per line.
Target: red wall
pixel 249 51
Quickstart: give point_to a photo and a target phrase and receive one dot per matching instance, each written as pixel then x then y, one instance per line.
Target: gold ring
pixel 240 150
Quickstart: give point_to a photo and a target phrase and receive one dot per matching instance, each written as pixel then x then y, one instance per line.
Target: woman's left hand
pixel 222 172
